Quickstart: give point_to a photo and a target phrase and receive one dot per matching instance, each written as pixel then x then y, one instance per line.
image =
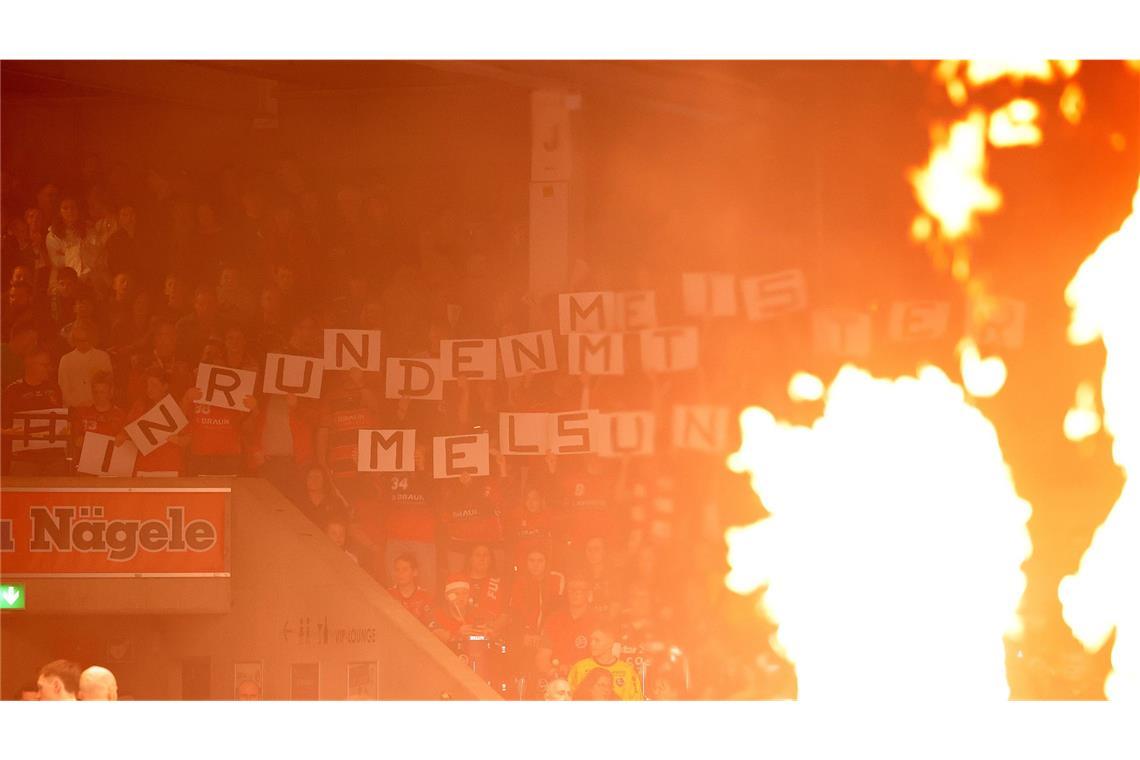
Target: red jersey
pixel 419 603
pixel 343 413
pixel 410 505
pixel 215 431
pixel 88 419
pixel 526 528
pixel 568 637
pixel 532 600
pixel 587 509
pixel 471 513
pixel 488 595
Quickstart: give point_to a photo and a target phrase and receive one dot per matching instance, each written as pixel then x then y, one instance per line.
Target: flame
pixel 952 187
pixel 983 378
pixel 1013 124
pixel 1082 421
pixel 1101 596
pixel 1072 103
pixel 893 548
pixel 805 387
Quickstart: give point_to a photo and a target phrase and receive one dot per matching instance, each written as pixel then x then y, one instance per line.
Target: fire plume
pixel 892 551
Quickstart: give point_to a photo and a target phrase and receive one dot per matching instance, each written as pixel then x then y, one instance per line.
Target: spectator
pixel 407 591
pixel 458 617
pixel 597 685
pixel 71 244
pixel 558 690
pixel 22 340
pixel 177 295
pixel 216 432
pixel 98 684
pixel 160 356
pixel 470 518
pixel 604 651
pixel 410 510
pixel 566 631
pixel 336 528
pixel 320 500
pixel 487 591
pixel 58 681
pixel 102 416
pixel 535 594
pixel 198 326
pixel 77 367
pixel 124 253
pixel 35 391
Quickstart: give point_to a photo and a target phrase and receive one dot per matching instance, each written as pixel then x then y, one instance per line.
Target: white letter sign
pixel 774 294
pixel 918 320
pixel 413 378
pixel 161 421
pixel 700 428
pixel 352 349
pixel 596 353
pixel 225 386
pixel 100 456
pixel 571 432
pixel 528 352
pixel 285 374
pixel 669 349
pixel 585 312
pixel 522 432
pixel 622 433
pixel 473 358
pixel 709 294
pixel 385 450
pixel 456 455
pixel 841 332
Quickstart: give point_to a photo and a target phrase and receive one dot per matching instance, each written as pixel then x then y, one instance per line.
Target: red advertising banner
pixel 71 532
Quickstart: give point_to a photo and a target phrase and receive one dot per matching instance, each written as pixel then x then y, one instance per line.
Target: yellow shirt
pixel 627 684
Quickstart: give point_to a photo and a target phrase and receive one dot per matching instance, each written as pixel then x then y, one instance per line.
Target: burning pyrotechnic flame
pixel 1082 420
pixel 805 387
pixel 1013 124
pixel 983 378
pixel 893 548
pixel 1102 595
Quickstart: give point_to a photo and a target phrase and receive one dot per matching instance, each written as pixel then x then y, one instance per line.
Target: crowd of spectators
pixel 607 573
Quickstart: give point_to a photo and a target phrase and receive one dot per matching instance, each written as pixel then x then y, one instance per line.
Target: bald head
pixel 98 683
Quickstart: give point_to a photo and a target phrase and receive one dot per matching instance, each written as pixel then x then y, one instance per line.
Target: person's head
pixel 479 560
pixel 534 499
pixel 141 308
pixel 536 563
pixel 457 590
pixel 98 684
pixel 66 282
pixel 21 273
pixel 84 306
pixel 602 640
pixel 34 218
pixel 405 569
pixel 102 389
pixel 596 551
pixel 69 212
pixel 234 342
pixel 165 338
pixel 58 680
pixel 37 366
pixel 157 384
pixel 123 286
pixel 23 337
pixel 19 294
pixel 248 691
pixel 205 302
pixel 336 528
pixel 598 685
pixel 127 218
pixel 558 690
pixel 304 335
pixel 577 592
pixel 315 480
pixel 47 198
pixel 82 335
pixel 174 288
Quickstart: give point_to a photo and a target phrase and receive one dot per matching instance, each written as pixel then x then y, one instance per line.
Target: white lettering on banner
pixel 622 433
pixel 352 349
pixel 385 450
pixel 636 310
pixel 996 322
pixel 596 353
pixel 841 332
pixel 586 312
pixel 773 294
pixel 456 455
pixel 571 432
pixel 528 352
pixel 100 456
pixel 918 320
pixel 523 432
pixel 225 386
pixel 700 428
pixel 299 375
pixel 708 294
pixel 160 422
pixel 472 358
pixel 413 378
pixel 670 349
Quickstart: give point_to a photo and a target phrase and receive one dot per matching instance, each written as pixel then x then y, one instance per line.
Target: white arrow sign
pixel 11 595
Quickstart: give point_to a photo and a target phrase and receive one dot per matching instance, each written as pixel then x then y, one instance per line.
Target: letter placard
pixel 523 432
pixel 636 310
pixel 709 294
pixel 225 386
pixel 571 432
pixel 773 294
pixel 622 433
pixel 161 421
pixel 841 332
pixel 528 352
pixel 285 374
pixel 596 353
pixel 414 378
pixel 385 450
pixel 473 358
pixel 41 429
pixel 700 428
pixel 100 456
pixel 912 321
pixel 996 323
pixel 670 349
pixel 456 455
pixel 586 312
pixel 352 349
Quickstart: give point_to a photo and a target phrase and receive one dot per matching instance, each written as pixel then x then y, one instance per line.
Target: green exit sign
pixel 11 596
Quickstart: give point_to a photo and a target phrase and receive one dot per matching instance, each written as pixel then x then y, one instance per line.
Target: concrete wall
pixel 294 599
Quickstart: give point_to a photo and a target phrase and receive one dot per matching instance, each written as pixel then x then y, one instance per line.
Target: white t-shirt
pixel 75 372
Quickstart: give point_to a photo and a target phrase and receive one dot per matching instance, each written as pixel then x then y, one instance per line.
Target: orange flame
pixel 1013 124
pixel 864 555
pixel 1102 596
